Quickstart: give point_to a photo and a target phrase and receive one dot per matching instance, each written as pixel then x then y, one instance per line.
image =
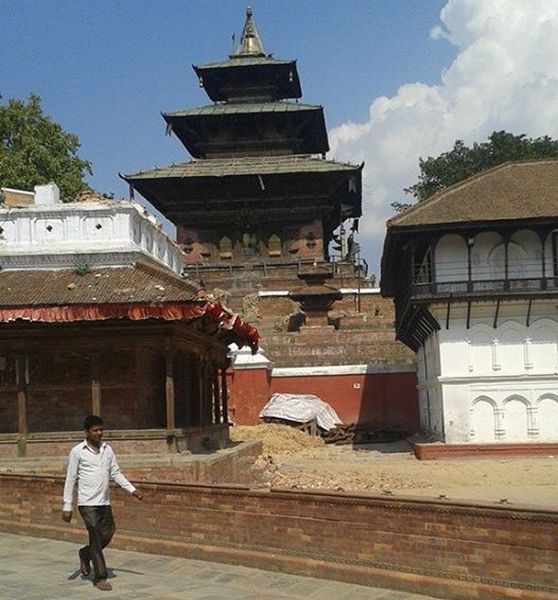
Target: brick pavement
pixel 41 569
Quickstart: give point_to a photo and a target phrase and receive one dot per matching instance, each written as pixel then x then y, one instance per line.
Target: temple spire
pixel 250 41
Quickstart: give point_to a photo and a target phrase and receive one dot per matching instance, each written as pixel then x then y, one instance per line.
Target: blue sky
pixel 105 70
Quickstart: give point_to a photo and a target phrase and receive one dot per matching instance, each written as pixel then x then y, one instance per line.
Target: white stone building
pixel 45 233
pixel 474 273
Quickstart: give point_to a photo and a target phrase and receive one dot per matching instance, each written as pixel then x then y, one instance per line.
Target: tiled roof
pixel 511 191
pixel 244 108
pixel 139 283
pixel 223 167
pixel 244 61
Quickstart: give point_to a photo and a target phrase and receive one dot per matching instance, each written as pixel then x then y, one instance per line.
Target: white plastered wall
pixel 493 384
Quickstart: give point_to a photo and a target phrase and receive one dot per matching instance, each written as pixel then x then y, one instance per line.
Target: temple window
pixel 249 244
pixel 225 248
pixel 274 245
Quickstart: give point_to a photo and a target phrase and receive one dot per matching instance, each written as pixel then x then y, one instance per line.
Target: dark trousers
pixel 100 526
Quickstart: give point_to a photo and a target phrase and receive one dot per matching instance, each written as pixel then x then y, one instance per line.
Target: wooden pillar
pixel 186 376
pixel 470 241
pixel 432 246
pixel 216 397
pixel 22 379
pixel 224 396
pixel 95 386
pixel 169 389
pixel 200 375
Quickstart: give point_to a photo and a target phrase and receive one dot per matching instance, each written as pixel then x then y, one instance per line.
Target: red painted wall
pixel 249 390
pixel 387 400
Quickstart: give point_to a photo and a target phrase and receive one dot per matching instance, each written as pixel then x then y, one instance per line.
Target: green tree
pixel 461 161
pixel 35 150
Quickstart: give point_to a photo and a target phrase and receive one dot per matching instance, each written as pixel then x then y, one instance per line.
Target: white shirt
pixel 93 472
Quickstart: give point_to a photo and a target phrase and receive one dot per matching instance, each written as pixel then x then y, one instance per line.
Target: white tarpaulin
pixel 301 408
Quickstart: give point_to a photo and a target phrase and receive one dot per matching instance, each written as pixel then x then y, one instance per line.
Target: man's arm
pixel 117 476
pixel 71 476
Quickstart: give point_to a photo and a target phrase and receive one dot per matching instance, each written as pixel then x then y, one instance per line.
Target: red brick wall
pixel 384 400
pixel 387 400
pixel 438 548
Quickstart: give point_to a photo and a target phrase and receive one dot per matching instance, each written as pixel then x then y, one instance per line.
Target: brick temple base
pixel 438 451
pixel 440 548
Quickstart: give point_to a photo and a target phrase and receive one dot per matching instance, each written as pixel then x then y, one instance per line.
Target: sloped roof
pixel 222 167
pixel 244 108
pixel 510 191
pixel 136 283
pixel 135 293
pixel 245 61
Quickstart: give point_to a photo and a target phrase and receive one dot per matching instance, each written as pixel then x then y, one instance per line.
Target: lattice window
pixel 274 245
pixel 225 248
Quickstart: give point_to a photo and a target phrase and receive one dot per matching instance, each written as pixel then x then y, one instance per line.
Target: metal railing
pixel 484 286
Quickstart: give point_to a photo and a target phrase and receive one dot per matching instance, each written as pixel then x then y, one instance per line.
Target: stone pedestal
pixel 316 298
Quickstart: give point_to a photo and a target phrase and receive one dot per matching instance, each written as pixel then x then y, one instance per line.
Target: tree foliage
pixel 461 161
pixel 35 150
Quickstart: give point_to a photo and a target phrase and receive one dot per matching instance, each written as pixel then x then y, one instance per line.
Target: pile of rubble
pixel 275 438
pixel 361 434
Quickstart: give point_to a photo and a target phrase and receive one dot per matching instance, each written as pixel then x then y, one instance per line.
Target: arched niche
pixel 511 337
pixel 548 417
pixel 225 248
pixel 551 254
pixel 274 245
pixel 517 260
pixel 530 265
pixel 451 258
pixel 480 342
pixel 482 245
pixel 543 350
pixel 515 418
pixel 482 420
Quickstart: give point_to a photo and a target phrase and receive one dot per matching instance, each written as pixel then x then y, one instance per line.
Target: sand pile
pixel 276 438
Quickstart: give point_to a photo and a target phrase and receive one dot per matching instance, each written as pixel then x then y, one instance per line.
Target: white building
pixel 474 273
pixel 45 233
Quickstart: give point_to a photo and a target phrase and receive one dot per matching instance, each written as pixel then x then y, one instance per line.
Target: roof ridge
pixel 235 160
pixel 149 267
pixel 443 199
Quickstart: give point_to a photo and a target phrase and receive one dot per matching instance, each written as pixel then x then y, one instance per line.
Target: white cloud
pixel 505 76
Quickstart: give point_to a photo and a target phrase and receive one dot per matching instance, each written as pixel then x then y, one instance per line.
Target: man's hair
pixel 92 421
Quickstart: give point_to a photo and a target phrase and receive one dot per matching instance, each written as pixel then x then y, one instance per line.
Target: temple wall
pixel 435 547
pixel 491 382
pixel 383 397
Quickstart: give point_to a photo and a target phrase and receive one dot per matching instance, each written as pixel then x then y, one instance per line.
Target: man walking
pixel 93 464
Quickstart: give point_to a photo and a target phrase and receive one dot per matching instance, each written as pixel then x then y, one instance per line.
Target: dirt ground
pixel 292 459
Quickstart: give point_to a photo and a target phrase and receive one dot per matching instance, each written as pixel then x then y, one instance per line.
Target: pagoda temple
pixel 267 224
pixel 259 188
